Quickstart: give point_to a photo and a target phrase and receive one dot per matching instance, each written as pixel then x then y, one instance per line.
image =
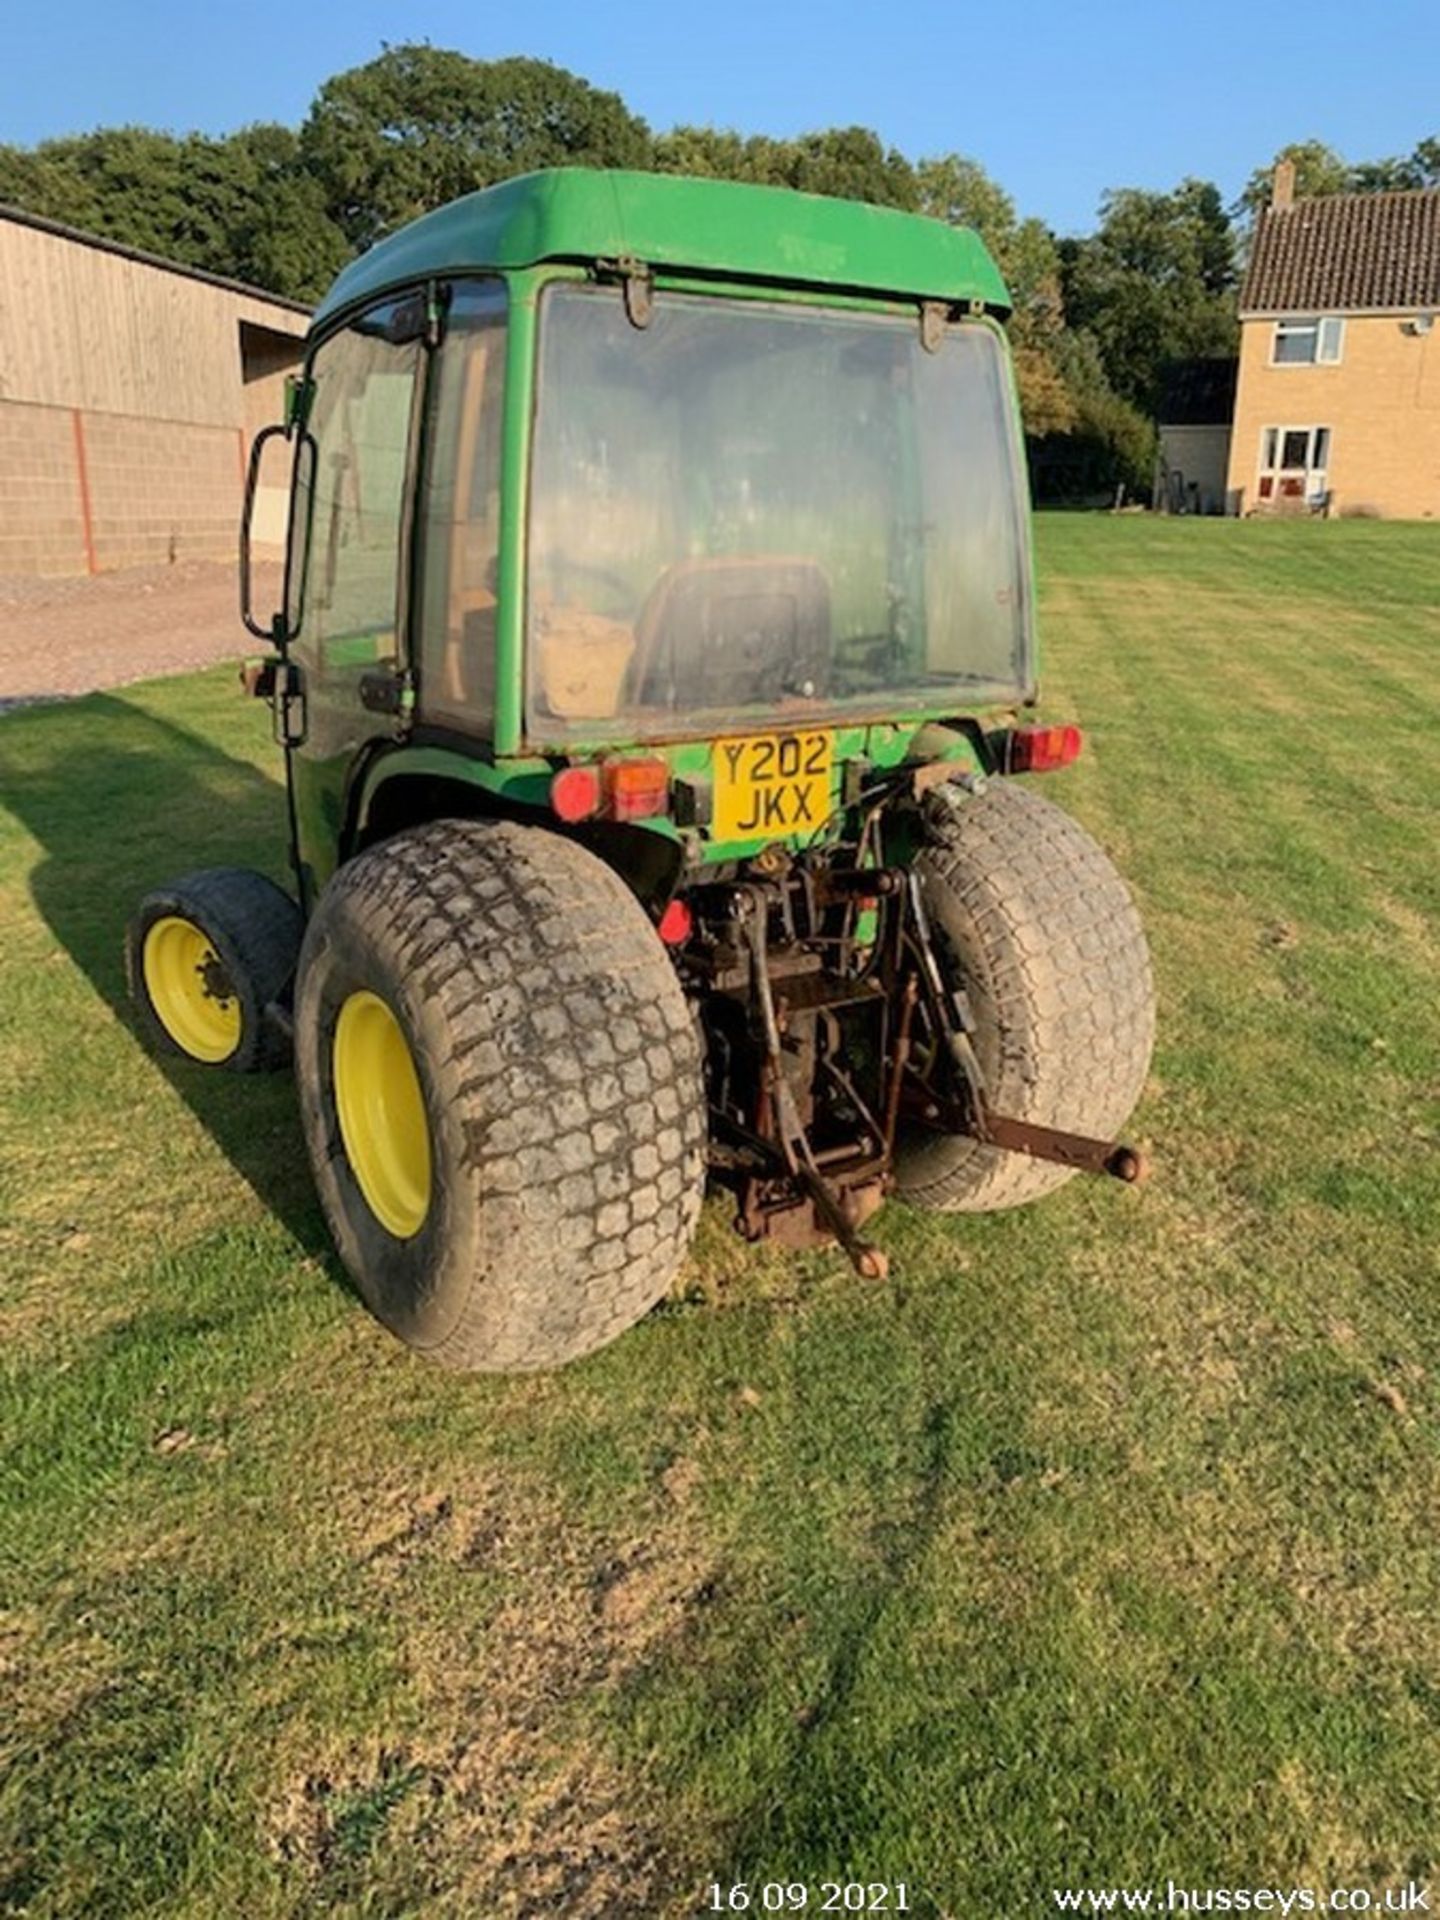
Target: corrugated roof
pixel 1346 252
pixel 104 245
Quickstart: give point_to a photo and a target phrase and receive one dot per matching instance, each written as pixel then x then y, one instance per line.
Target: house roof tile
pixel 1346 252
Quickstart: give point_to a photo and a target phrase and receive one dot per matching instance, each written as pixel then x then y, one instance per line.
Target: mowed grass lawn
pixel 1098 1545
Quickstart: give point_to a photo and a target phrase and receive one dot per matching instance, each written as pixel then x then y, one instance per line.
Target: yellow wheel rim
pixel 190 990
pixel 382 1114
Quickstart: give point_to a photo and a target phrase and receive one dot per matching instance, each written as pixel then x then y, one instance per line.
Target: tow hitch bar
pixel 973 1115
pixel 1069 1149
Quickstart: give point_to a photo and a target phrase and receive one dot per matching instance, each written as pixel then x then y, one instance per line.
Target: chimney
pixel 1282 192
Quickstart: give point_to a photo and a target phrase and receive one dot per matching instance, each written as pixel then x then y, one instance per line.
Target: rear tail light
pixel 636 789
pixel 616 790
pixel 575 793
pixel 1041 749
pixel 677 923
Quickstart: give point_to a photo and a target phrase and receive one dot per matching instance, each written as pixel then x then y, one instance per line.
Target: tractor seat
pixel 734 631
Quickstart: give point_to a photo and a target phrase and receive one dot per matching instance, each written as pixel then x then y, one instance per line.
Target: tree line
pixel 1098 320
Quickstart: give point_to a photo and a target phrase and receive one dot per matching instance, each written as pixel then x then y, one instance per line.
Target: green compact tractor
pixel 655 658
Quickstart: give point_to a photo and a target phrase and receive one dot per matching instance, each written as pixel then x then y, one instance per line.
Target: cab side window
pixel 350 510
pixel 461 511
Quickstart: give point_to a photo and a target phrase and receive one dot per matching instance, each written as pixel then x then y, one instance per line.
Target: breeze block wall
pixel 42 527
pixel 162 491
pixel 83 492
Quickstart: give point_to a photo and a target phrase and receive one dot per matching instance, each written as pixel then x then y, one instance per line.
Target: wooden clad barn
pixel 130 389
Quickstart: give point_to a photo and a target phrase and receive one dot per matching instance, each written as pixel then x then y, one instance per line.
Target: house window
pixel 1294 463
pixel 1314 342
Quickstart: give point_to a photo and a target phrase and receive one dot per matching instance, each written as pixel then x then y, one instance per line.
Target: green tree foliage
pixel 284 236
pixel 848 162
pixel 1108 443
pixel 242 206
pixel 958 190
pixel 25 180
pixel 146 189
pixel 1154 284
pixel 1320 170
pixel 419 125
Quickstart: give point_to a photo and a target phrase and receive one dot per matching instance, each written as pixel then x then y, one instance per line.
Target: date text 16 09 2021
pixel 797 1896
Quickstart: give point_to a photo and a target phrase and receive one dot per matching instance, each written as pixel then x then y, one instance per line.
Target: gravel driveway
pixel 61 637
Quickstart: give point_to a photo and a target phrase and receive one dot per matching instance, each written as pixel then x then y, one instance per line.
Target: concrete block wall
pixel 42 518
pixel 82 491
pixel 162 491
pixel 1200 455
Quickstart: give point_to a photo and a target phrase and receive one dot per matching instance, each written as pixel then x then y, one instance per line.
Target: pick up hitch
pixel 809 1194
pixel 792 1137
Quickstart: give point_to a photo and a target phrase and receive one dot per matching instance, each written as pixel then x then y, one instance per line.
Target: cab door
pixel 349 569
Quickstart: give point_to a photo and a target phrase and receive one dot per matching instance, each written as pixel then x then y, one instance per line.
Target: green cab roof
pixel 718 227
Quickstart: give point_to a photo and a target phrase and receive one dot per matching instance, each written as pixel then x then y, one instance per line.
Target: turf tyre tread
pixel 561 1075
pixel 1042 930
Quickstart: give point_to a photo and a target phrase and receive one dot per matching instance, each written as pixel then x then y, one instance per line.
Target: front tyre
pixel 1032 920
pixel 501 1093
pixel 206 958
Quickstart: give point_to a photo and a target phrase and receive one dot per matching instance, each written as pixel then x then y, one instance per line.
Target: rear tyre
pixel 1031 918
pixel 205 957
pixel 501 1093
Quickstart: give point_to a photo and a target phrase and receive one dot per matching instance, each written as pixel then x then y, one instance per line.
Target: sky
pixel 1058 100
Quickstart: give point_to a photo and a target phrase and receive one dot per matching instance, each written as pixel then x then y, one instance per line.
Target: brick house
pixel 1337 407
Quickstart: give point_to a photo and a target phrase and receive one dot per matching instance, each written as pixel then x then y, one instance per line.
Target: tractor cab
pixel 587 463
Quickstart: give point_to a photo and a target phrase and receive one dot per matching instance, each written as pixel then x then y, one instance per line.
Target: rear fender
pixel 410 786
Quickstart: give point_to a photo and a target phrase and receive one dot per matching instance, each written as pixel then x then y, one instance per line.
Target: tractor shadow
pixel 121 800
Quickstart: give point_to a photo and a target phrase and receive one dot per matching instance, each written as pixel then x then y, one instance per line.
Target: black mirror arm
pixel 273 631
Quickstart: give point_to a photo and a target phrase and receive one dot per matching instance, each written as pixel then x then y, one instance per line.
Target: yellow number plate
pixel 771 784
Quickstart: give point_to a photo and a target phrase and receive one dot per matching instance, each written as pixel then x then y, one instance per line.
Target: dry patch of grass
pixel 502 1799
